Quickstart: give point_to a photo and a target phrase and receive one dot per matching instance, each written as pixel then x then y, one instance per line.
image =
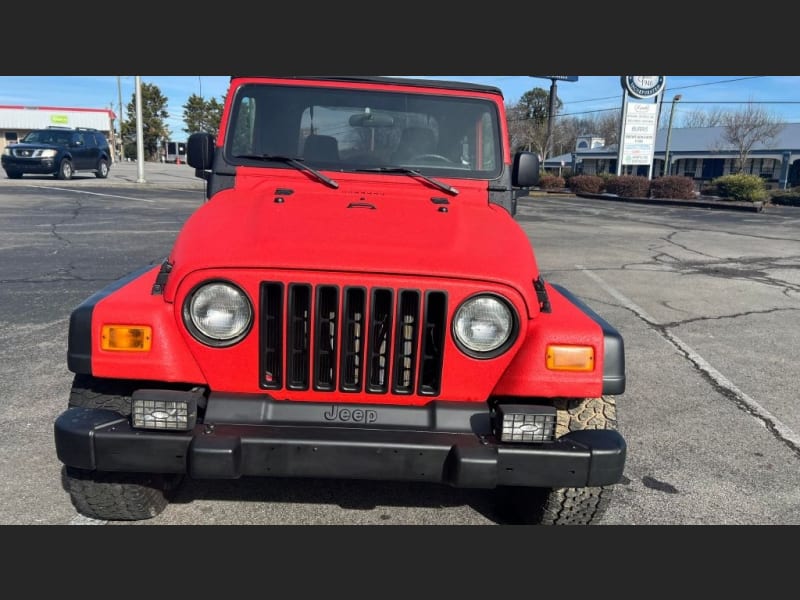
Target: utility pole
pixel 139 133
pixel 550 116
pixel 121 141
pixel 548 150
pixel 667 160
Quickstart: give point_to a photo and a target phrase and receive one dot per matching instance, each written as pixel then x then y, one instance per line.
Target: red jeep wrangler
pixel 353 300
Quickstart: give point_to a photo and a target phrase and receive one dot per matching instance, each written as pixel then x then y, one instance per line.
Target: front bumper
pixel 443 442
pixel 43 166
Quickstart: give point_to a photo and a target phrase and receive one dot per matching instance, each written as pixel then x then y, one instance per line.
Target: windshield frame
pixel 462 122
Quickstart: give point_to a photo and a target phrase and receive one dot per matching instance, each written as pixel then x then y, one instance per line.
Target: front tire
pixel 566 506
pixel 64 169
pixel 117 496
pixel 12 174
pixel 108 496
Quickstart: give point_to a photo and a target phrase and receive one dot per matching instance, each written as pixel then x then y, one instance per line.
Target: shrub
pixel 586 184
pixel 629 186
pixel 672 186
pixel 750 188
pixel 606 177
pixel 551 182
pixel 786 197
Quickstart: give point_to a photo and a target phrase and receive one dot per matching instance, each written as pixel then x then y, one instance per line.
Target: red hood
pixel 385 224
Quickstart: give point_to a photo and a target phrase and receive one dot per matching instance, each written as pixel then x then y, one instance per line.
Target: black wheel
pixel 102 169
pixel 114 496
pixel 565 506
pixel 64 169
pixel 117 496
pixel 12 174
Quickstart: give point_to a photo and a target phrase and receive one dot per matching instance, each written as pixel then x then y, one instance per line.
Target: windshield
pixel 354 129
pixel 46 137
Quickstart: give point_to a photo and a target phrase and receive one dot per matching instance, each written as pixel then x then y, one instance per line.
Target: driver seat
pixel 414 141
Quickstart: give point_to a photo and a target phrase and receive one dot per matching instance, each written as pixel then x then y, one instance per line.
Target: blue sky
pixel 780 94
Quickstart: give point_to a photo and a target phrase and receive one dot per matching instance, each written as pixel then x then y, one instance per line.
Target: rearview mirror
pixel 371 120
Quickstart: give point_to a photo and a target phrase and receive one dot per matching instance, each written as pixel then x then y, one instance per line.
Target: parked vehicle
pixel 353 300
pixel 58 151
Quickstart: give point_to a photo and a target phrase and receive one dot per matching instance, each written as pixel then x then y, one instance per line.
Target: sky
pixel 780 95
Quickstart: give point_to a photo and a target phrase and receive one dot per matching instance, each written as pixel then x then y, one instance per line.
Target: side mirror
pixel 200 151
pixel 525 171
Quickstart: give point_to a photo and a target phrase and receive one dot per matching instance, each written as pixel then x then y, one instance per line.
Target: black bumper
pixel 35 166
pixel 97 439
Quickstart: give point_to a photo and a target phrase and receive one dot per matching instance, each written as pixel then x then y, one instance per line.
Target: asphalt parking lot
pixel 707 302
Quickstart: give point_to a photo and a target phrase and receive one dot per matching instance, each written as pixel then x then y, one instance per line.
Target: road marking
pixel 47 187
pixel 753 407
pixel 81 520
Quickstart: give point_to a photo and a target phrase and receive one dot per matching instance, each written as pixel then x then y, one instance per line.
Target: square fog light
pixel 164 409
pixel 526 423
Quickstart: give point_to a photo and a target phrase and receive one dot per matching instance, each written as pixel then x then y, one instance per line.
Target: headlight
pixel 7 151
pixel 484 326
pixel 218 313
pixel 48 153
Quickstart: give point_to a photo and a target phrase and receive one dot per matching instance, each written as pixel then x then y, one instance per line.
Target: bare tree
pixel 527 121
pixel 747 127
pixel 703 118
pixel 605 125
pixel 526 133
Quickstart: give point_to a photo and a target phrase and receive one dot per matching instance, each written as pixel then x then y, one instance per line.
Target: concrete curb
pixel 710 204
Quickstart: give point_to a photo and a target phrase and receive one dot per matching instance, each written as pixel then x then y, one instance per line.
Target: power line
pixel 683 87
pixel 710 102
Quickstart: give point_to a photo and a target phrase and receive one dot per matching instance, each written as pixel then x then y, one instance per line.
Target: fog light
pixel 524 423
pixel 164 409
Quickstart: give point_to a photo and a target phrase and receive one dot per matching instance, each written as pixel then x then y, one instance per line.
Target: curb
pixel 721 205
pixel 724 205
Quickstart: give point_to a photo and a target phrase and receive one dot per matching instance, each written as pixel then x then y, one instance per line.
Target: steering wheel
pixel 428 157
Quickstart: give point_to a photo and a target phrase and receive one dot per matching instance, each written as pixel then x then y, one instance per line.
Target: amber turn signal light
pixel 570 358
pixel 126 338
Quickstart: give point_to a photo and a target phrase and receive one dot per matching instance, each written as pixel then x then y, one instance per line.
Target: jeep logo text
pixel 356 415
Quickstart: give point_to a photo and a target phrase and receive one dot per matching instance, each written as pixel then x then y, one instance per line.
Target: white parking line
pixel 81 520
pixel 47 187
pixel 754 407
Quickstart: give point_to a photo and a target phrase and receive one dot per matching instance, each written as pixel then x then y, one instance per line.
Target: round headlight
pixel 484 326
pixel 218 313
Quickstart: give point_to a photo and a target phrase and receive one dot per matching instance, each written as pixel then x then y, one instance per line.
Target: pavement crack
pixel 669 240
pixel 718 382
pixel 748 313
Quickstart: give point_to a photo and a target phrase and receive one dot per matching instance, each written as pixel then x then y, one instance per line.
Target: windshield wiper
pixel 294 161
pixel 442 186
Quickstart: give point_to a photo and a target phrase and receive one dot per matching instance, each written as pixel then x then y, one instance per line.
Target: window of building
pixel 11 136
pixel 689 167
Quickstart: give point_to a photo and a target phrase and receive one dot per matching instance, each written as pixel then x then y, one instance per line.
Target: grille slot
pixel 299 318
pixel 406 334
pixel 326 340
pixel 271 332
pixel 380 341
pixel 353 332
pixel 355 339
pixel 430 364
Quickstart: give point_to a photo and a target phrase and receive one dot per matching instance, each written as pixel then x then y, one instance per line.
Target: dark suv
pixel 58 151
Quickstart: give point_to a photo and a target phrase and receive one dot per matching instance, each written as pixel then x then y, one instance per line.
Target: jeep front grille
pixel 351 339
